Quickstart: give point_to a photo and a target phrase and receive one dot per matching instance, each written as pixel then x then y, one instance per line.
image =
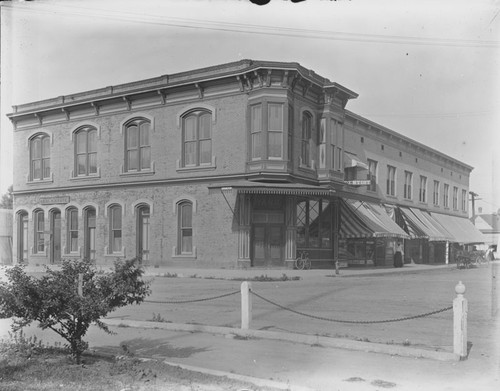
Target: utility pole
pixel 473 201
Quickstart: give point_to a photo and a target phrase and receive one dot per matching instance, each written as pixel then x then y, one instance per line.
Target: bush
pixel 54 300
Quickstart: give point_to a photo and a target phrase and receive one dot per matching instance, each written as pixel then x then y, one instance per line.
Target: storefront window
pixel 314 224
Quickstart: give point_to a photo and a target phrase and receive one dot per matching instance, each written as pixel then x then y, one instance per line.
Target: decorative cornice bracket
pixel 200 90
pixel 66 113
pixel 39 117
pixel 163 96
pixel 259 77
pixel 127 100
pixel 242 87
pixel 248 81
pixel 96 107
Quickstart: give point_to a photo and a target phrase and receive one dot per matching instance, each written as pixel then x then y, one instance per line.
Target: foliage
pixel 7 200
pixel 53 300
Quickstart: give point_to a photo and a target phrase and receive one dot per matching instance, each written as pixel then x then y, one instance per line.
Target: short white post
pixel 460 321
pixel 80 284
pixel 246 305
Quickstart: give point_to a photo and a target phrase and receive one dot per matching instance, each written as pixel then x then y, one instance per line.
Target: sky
pixel 426 69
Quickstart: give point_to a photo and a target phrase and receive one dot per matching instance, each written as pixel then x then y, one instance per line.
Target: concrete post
pixel 80 284
pixel 246 305
pixel 460 322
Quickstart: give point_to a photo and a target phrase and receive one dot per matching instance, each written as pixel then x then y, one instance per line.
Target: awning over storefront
pixel 461 228
pixel 249 187
pixel 422 226
pixel 351 160
pixel 375 217
pixel 351 225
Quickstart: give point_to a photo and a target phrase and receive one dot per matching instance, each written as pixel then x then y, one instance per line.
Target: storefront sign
pixel 359 183
pixel 54 200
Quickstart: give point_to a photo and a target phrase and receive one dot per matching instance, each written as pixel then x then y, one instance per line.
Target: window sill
pixel 114 255
pixel 137 173
pixel 187 257
pixel 71 255
pixel 85 177
pixel 392 196
pixel 39 181
pixel 196 168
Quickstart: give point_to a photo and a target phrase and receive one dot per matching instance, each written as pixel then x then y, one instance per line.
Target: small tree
pixel 7 199
pixel 55 302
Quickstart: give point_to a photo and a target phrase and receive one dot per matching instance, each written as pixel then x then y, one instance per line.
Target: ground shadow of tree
pixel 144 347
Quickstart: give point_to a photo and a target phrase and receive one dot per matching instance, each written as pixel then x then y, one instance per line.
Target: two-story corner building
pixel 237 165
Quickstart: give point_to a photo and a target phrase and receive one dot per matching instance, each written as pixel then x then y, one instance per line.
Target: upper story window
pixel 86 151
pixel 197 139
pixel 407 191
pixel 455 198
pixel 464 200
pixel 306 139
pixel 446 195
pixel 372 174
pixel 137 145
pixel 266 131
pixel 422 194
pixel 391 181
pixel 435 194
pixel 40 157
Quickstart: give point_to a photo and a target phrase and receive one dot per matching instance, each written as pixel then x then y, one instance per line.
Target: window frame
pixel 391 181
pixel 87 153
pixel 39 232
pixel 182 231
pixel 115 230
pixel 422 194
pixel 407 187
pixel 44 141
pixel 139 148
pixel 198 114
pixel 372 174
pixel 435 193
pixel 455 198
pixel 446 195
pixel 71 231
pixel 464 200
pixel 306 134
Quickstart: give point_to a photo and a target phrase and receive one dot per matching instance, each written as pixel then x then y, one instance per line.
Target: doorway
pixel 55 236
pixel 268 245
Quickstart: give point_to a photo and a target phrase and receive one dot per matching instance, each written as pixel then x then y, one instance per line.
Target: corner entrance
pixel 268 245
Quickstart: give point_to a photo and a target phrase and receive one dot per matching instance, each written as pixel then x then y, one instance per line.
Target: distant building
pixel 238 165
pixel 489 225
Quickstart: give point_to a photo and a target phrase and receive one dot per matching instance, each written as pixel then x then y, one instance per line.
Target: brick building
pixel 237 165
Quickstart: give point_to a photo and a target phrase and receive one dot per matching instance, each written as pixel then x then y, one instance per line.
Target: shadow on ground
pixel 145 347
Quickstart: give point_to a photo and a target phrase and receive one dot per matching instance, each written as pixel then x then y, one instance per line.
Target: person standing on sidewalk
pixel 398 255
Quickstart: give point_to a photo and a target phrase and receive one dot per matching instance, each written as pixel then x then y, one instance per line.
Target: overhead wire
pixel 248 28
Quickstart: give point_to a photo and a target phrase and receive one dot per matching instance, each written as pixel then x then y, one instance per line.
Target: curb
pixel 330 342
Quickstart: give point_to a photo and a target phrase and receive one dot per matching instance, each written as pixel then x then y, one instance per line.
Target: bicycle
pixel 303 262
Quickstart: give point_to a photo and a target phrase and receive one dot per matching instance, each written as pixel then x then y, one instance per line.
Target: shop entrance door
pixel 268 245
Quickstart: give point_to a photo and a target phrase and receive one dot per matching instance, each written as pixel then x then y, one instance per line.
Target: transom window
pixel 86 151
pixel 197 139
pixel 40 157
pixel 137 145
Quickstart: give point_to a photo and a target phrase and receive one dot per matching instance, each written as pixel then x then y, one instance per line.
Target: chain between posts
pixel 192 300
pixel 351 321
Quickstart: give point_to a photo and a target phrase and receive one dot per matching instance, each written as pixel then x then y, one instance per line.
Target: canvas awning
pixel 375 217
pixel 461 228
pixel 351 160
pixel 249 187
pixel 422 226
pixel 351 225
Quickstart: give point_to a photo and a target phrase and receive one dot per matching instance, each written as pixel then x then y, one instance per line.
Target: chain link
pixel 351 321
pixel 191 301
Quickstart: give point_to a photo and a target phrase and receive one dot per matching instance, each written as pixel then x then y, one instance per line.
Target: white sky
pixel 426 69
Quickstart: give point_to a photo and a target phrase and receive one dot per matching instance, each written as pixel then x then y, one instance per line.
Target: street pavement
pixel 310 366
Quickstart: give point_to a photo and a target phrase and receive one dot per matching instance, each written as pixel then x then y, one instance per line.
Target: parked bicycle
pixel 303 262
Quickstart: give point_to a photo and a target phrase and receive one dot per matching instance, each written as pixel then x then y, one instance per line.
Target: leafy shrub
pixel 54 300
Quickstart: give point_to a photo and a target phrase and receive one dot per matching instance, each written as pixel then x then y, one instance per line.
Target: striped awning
pixel 420 227
pixel 433 228
pixel 351 225
pixel 376 219
pixel 461 228
pixel 249 187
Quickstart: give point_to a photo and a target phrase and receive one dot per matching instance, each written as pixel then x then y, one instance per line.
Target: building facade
pixel 239 165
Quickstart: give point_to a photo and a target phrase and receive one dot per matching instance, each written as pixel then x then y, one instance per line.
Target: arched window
pixel 197 139
pixel 40 157
pixel 137 145
pixel 39 231
pixel 185 227
pixel 86 151
pixel 306 138
pixel 115 228
pixel 72 230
